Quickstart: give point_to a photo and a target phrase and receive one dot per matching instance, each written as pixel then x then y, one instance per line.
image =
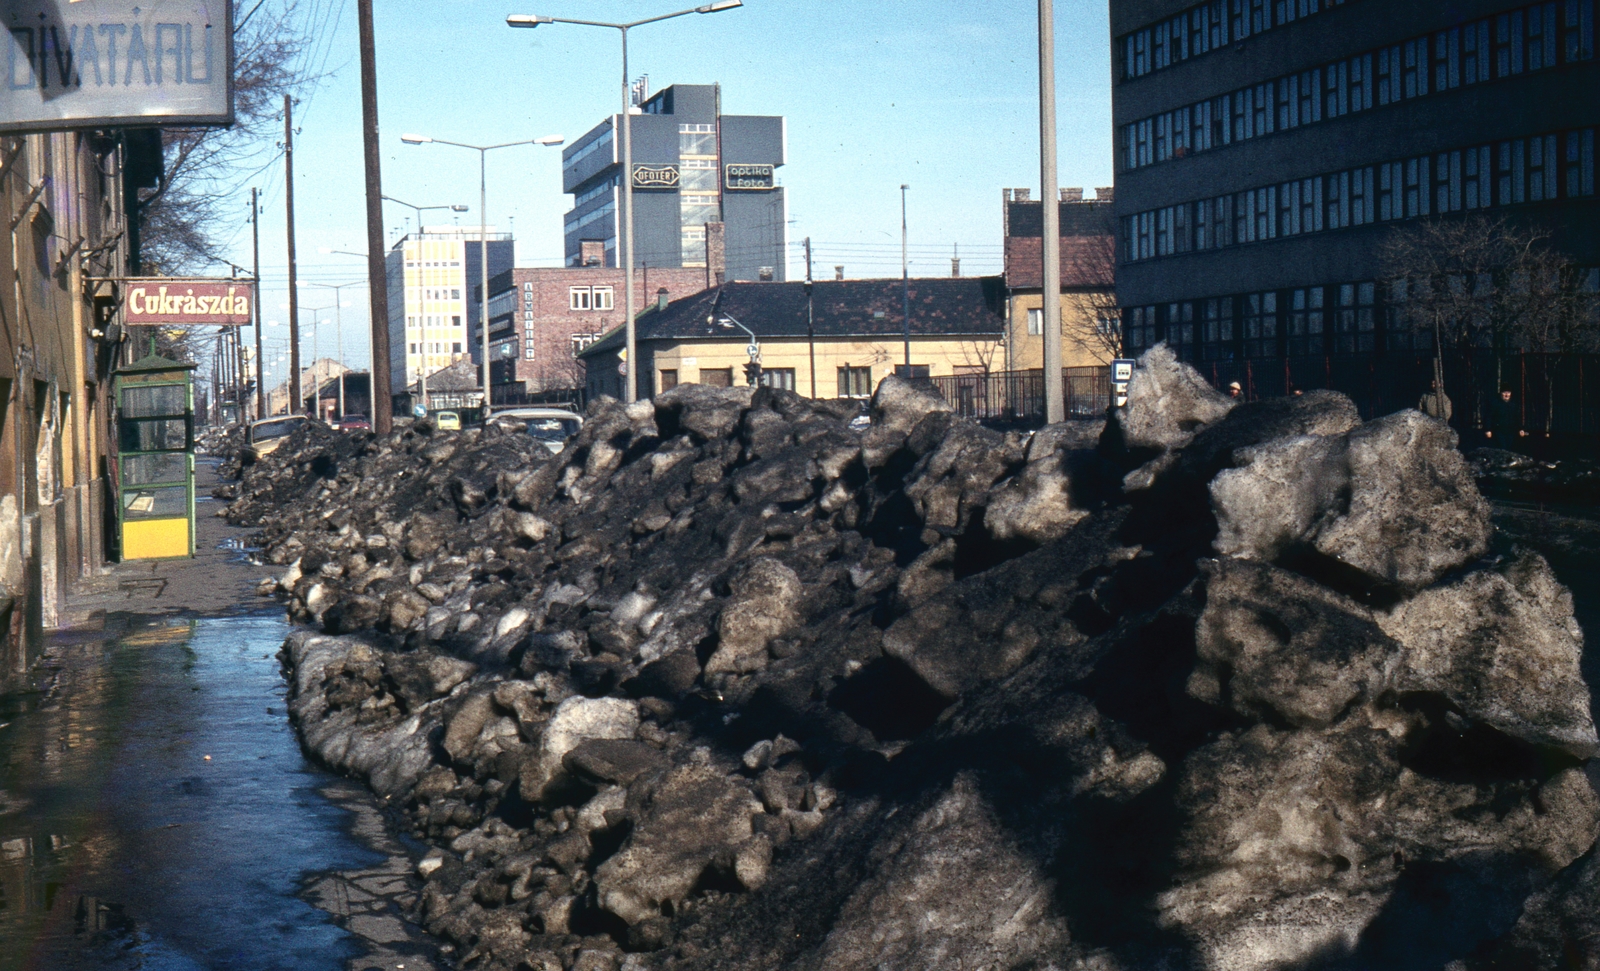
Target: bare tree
pixel 1091 270
pixel 1480 282
pixel 185 218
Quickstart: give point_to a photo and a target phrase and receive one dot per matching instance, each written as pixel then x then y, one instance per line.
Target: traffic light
pixel 752 373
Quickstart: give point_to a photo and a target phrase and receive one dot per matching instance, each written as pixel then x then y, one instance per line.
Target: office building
pixel 1268 149
pixel 540 317
pixel 433 319
pixel 692 165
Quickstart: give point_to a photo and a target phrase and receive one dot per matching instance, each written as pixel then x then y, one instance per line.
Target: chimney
pixel 716 253
pixel 592 252
pixel 765 274
pixel 661 299
pixel 838 273
pixel 1071 194
pixel 955 266
pixel 1104 194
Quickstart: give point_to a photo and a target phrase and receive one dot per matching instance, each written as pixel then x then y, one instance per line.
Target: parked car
pixel 447 421
pixel 551 426
pixel 266 435
pixel 355 423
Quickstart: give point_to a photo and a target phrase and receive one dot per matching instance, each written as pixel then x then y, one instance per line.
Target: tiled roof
pixel 940 306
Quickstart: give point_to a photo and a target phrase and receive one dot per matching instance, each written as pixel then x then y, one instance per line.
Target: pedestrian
pixel 1234 391
pixel 1505 424
pixel 1436 404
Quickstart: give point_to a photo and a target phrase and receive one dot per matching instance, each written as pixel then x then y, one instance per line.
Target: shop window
pixel 721 377
pixel 855 382
pixel 669 379
pixel 779 377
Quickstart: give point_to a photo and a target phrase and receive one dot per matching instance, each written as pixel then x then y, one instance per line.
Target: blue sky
pixel 941 96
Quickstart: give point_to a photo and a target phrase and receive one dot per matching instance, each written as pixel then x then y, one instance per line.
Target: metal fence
pixel 1558 395
pixel 1018 396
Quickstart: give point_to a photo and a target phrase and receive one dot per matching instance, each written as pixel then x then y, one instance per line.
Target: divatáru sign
pixel 196 302
pixel 102 63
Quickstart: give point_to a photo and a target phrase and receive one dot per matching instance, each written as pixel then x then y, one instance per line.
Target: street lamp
pixel 631 391
pixel 421 209
pixel 726 321
pixel 338 330
pixel 483 233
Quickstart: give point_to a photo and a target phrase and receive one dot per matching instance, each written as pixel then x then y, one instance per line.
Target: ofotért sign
pixel 102 63
pixel 220 303
pixel 655 176
pixel 748 177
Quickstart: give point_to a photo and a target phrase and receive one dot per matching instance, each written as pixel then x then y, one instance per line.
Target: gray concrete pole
pixel 483 265
pixel 630 384
pixel 1054 400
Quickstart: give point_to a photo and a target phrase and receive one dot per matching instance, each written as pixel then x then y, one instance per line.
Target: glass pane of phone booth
pixel 155 459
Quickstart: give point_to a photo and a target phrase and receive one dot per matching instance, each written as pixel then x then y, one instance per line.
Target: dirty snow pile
pixel 730 685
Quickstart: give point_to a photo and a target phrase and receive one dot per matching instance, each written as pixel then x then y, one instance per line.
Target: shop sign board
pixel 161 300
pixel 115 63
pixel 655 176
pixel 747 177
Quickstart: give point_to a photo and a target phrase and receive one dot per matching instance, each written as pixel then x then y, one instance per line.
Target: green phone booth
pixel 155 459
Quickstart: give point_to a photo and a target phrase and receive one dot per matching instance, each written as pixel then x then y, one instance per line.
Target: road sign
pixel 1121 374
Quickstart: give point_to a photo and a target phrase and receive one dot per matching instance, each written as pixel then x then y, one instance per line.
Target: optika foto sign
pixel 106 63
pixel 217 303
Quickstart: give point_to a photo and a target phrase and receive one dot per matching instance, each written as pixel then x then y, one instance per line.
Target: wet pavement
pixel 157 812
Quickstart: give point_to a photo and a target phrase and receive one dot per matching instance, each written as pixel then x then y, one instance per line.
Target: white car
pixel 551 426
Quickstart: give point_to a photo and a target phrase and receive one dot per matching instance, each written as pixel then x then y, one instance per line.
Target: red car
pixel 355 423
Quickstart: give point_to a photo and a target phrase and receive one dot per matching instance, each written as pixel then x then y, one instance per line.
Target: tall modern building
pixel 692 165
pixel 433 275
pixel 1266 149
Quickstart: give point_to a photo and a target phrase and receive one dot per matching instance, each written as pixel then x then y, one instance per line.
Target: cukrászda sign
pixel 194 302
pixel 106 63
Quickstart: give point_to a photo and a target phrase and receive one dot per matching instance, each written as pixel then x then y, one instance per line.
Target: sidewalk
pixel 218 580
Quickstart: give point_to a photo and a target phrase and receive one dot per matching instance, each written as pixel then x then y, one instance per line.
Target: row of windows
pixel 437 347
pixel 603 143
pixel 576 223
pixel 587 298
pixel 1208 26
pixel 697 139
pixel 1532 38
pixel 1536 169
pixel 1338 319
pixel 433 321
pixel 594 192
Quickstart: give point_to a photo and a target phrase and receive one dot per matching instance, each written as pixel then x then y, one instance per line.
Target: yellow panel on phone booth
pixel 155 539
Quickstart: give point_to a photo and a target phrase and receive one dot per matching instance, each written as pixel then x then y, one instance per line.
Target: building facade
pixel 692 165
pixel 830 339
pixel 1090 336
pixel 540 318
pixel 433 319
pixel 1268 149
pixel 68 196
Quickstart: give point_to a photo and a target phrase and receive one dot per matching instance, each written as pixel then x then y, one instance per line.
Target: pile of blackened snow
pixel 730 685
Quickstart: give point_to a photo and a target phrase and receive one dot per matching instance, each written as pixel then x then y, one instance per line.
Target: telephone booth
pixel 155 459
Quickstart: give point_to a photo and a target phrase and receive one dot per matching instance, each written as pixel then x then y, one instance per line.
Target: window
pixel 1356 320
pixel 581 341
pixel 455 294
pixel 1305 321
pixel 1180 329
pixel 1141 329
pixel 699 139
pixel 855 382
pixel 668 380
pixel 1217 330
pixel 778 377
pixel 717 377
pixel 1579 164
pixel 1036 322
pixel 1261 324
pixel 912 371
pixel 602 298
pixel 578 298
pixel 455 348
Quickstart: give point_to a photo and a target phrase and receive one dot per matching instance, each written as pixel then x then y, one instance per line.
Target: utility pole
pixel 1055 404
pixel 905 281
pixel 377 285
pixel 294 292
pixel 255 269
pixel 811 331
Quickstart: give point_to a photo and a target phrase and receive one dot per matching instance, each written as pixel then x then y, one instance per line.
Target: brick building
pixel 539 318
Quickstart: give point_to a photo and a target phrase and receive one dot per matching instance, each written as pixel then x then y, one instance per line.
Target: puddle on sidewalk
pixel 156 812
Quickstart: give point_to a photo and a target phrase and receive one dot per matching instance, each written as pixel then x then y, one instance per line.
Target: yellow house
pixel 829 339
pixel 1090 332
